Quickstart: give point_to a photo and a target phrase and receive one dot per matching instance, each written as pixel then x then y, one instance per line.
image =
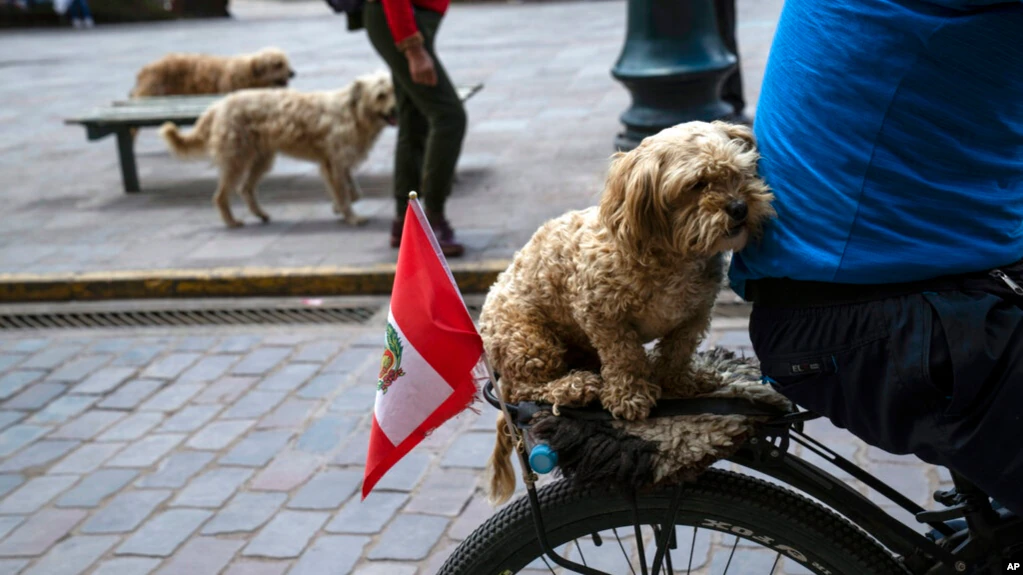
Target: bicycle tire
pixel 752 508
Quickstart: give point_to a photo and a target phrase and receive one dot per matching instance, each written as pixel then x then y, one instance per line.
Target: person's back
pixel 892 132
pixel 886 294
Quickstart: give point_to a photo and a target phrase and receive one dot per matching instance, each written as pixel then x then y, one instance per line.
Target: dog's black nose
pixel 291 73
pixel 737 209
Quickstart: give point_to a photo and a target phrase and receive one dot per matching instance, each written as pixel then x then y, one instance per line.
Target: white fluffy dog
pixel 244 131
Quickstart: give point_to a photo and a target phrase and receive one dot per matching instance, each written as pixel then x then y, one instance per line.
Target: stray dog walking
pixel 244 132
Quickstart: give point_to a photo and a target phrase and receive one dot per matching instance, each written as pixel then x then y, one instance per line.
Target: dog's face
pixel 373 98
pixel 691 190
pixel 271 69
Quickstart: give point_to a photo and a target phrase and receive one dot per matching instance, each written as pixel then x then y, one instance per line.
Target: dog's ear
pixel 633 208
pixel 740 132
pixel 258 67
pixel 355 94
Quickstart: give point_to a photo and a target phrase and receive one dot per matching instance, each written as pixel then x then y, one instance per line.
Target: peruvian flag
pixel 433 358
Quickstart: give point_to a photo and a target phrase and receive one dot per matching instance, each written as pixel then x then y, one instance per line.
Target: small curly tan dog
pixel 566 323
pixel 244 131
pixel 193 74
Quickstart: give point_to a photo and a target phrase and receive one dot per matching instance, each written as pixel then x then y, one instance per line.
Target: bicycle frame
pixel 767 453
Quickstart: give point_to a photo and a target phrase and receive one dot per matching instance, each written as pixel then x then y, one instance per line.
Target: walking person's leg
pixel 731 91
pixel 413 126
pixel 434 145
pixel 409 151
pixel 74 12
pixel 446 114
pixel 86 13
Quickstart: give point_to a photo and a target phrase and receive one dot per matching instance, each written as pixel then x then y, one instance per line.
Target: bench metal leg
pixel 126 152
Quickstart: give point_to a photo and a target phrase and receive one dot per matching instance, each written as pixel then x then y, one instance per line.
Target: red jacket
pixel 402 22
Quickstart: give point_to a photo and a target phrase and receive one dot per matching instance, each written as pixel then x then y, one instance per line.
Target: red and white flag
pixel 430 368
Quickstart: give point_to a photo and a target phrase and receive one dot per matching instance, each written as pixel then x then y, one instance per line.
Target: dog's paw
pixel 707 381
pixel 691 383
pixel 265 218
pixel 356 220
pixel 630 407
pixel 632 410
pixel 338 209
pixel 235 224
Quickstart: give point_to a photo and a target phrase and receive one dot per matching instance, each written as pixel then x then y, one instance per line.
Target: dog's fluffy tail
pixel 191 144
pixel 500 470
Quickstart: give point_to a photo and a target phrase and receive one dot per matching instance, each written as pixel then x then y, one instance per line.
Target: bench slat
pixel 165 100
pixel 155 111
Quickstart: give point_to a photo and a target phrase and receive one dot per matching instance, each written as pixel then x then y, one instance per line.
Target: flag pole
pixel 528 477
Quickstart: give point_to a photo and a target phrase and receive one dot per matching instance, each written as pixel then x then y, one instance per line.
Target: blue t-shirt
pixel 891 132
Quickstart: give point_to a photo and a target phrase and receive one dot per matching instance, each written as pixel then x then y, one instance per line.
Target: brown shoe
pixel 396 228
pixel 445 236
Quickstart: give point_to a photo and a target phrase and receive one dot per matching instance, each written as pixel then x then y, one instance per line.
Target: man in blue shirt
pixel 887 292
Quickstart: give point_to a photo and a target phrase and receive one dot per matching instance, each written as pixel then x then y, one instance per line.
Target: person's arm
pixel 402 22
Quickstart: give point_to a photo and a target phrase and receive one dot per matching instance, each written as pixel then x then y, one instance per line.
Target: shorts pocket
pixel 957 338
pixel 845 385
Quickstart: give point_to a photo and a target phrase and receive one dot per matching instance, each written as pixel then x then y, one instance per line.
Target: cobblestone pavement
pixel 240 452
pixel 538 141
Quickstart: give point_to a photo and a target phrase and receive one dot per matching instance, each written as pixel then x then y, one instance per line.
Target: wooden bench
pixel 122 117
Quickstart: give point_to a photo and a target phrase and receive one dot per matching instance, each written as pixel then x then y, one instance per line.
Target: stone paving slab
pixel 221 495
pixel 539 137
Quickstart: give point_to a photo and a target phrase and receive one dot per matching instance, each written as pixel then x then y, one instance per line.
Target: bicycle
pixel 854 537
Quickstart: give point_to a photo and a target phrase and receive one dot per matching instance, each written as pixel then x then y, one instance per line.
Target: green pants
pixel 431 119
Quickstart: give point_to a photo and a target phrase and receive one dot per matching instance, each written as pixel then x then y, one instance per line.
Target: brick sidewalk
pixel 538 140
pixel 241 452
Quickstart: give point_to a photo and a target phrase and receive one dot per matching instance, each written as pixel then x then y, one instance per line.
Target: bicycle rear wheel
pixel 783 533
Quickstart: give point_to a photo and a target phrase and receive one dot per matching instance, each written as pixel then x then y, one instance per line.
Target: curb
pixel 472 278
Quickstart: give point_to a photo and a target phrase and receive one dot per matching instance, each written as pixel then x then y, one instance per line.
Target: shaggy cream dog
pixel 192 74
pixel 245 130
pixel 566 323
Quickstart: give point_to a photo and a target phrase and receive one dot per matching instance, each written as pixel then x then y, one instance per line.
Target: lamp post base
pixel 674 65
pixel 662 102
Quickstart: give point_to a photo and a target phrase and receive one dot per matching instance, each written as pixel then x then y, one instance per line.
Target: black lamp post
pixel 673 63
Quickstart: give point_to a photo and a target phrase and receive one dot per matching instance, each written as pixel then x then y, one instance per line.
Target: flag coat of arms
pixel 432 357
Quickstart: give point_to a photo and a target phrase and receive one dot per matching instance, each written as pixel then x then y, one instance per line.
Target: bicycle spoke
pixel 775 566
pixel 580 548
pixel 692 549
pixel 549 568
pixel 638 528
pixel 667 554
pixel 658 566
pixel 639 548
pixel 730 555
pixel 664 537
pixel 624 552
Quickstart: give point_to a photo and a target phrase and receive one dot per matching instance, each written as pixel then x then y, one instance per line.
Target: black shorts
pixel 934 370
